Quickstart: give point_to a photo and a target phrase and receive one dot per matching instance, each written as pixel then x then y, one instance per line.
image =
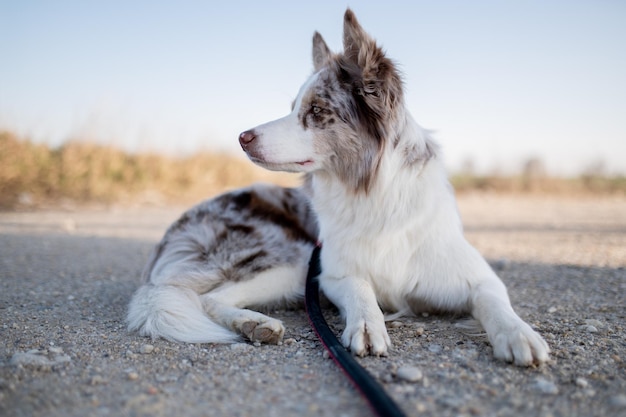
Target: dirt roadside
pixel 66 277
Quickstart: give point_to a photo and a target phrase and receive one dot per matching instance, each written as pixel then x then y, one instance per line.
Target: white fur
pixel 175 313
pixel 401 246
pixel 274 155
pixel 398 245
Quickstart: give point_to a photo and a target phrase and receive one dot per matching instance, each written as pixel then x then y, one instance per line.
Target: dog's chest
pixel 383 259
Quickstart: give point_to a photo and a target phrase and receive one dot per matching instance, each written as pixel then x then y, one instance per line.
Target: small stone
pixel 56 350
pixel 35 358
pixel 501 264
pixel 30 358
pixel 419 331
pixel 409 374
pixel 97 380
pixel 581 382
pixel 146 349
pixel 434 348
pixel 290 341
pixel 325 354
pixel 133 376
pixel 386 378
pixel 589 393
pixel 257 344
pixel 240 346
pixel 545 387
pixel 595 323
pixel 590 329
pixel 552 310
pixel 618 401
pixel 396 324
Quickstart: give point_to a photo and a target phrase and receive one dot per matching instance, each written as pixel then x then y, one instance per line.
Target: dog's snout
pixel 249 141
pixel 247 137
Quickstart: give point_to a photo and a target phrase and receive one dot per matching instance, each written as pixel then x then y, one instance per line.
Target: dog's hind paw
pixel 520 345
pixel 269 331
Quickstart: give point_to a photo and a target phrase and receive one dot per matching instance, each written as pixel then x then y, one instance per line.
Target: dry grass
pixel 35 175
pixel 586 184
pixel 32 174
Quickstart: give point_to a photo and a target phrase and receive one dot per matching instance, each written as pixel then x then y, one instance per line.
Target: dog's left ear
pixel 321 52
pixel 379 76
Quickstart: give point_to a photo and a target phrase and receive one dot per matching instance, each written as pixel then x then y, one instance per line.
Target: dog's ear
pixel 378 75
pixel 321 52
pixel 357 44
pixel 374 80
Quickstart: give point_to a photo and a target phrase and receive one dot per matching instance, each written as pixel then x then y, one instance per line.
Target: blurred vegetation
pixel 533 178
pixel 80 172
pixel 581 185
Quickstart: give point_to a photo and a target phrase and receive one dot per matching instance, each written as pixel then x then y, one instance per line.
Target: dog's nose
pixel 247 137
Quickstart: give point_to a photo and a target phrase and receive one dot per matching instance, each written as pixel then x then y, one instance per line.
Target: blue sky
pixel 498 81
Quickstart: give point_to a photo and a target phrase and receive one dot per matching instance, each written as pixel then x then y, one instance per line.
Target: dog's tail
pixel 174 313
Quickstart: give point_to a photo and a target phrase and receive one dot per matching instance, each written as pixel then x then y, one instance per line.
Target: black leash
pixel 373 392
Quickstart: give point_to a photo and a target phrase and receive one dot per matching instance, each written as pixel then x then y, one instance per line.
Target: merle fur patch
pixel 239 234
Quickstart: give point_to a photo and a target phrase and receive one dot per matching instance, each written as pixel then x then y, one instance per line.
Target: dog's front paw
pixel 521 345
pixel 366 337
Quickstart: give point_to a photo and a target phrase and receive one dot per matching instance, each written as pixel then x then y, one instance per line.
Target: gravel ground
pixel 66 277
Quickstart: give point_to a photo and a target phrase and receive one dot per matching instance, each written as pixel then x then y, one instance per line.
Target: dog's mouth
pixel 305 163
pixel 296 166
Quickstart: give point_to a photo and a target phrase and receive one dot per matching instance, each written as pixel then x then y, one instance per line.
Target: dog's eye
pixel 316 109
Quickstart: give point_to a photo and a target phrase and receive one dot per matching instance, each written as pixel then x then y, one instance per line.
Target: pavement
pixel 67 274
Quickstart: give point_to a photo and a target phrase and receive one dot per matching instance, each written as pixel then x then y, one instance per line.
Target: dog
pixel 391 233
pixel 375 194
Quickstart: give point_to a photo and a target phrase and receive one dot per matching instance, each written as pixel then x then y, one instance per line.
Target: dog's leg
pixel 513 340
pixel 227 304
pixel 365 331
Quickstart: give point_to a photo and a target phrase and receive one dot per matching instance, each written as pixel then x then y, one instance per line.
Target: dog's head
pixel 342 117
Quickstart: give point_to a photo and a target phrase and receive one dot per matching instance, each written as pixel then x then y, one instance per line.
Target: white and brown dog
pixel 387 217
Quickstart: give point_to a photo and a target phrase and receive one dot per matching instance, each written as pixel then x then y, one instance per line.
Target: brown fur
pixel 367 91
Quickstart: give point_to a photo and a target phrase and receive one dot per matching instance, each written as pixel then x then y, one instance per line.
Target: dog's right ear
pixel 321 52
